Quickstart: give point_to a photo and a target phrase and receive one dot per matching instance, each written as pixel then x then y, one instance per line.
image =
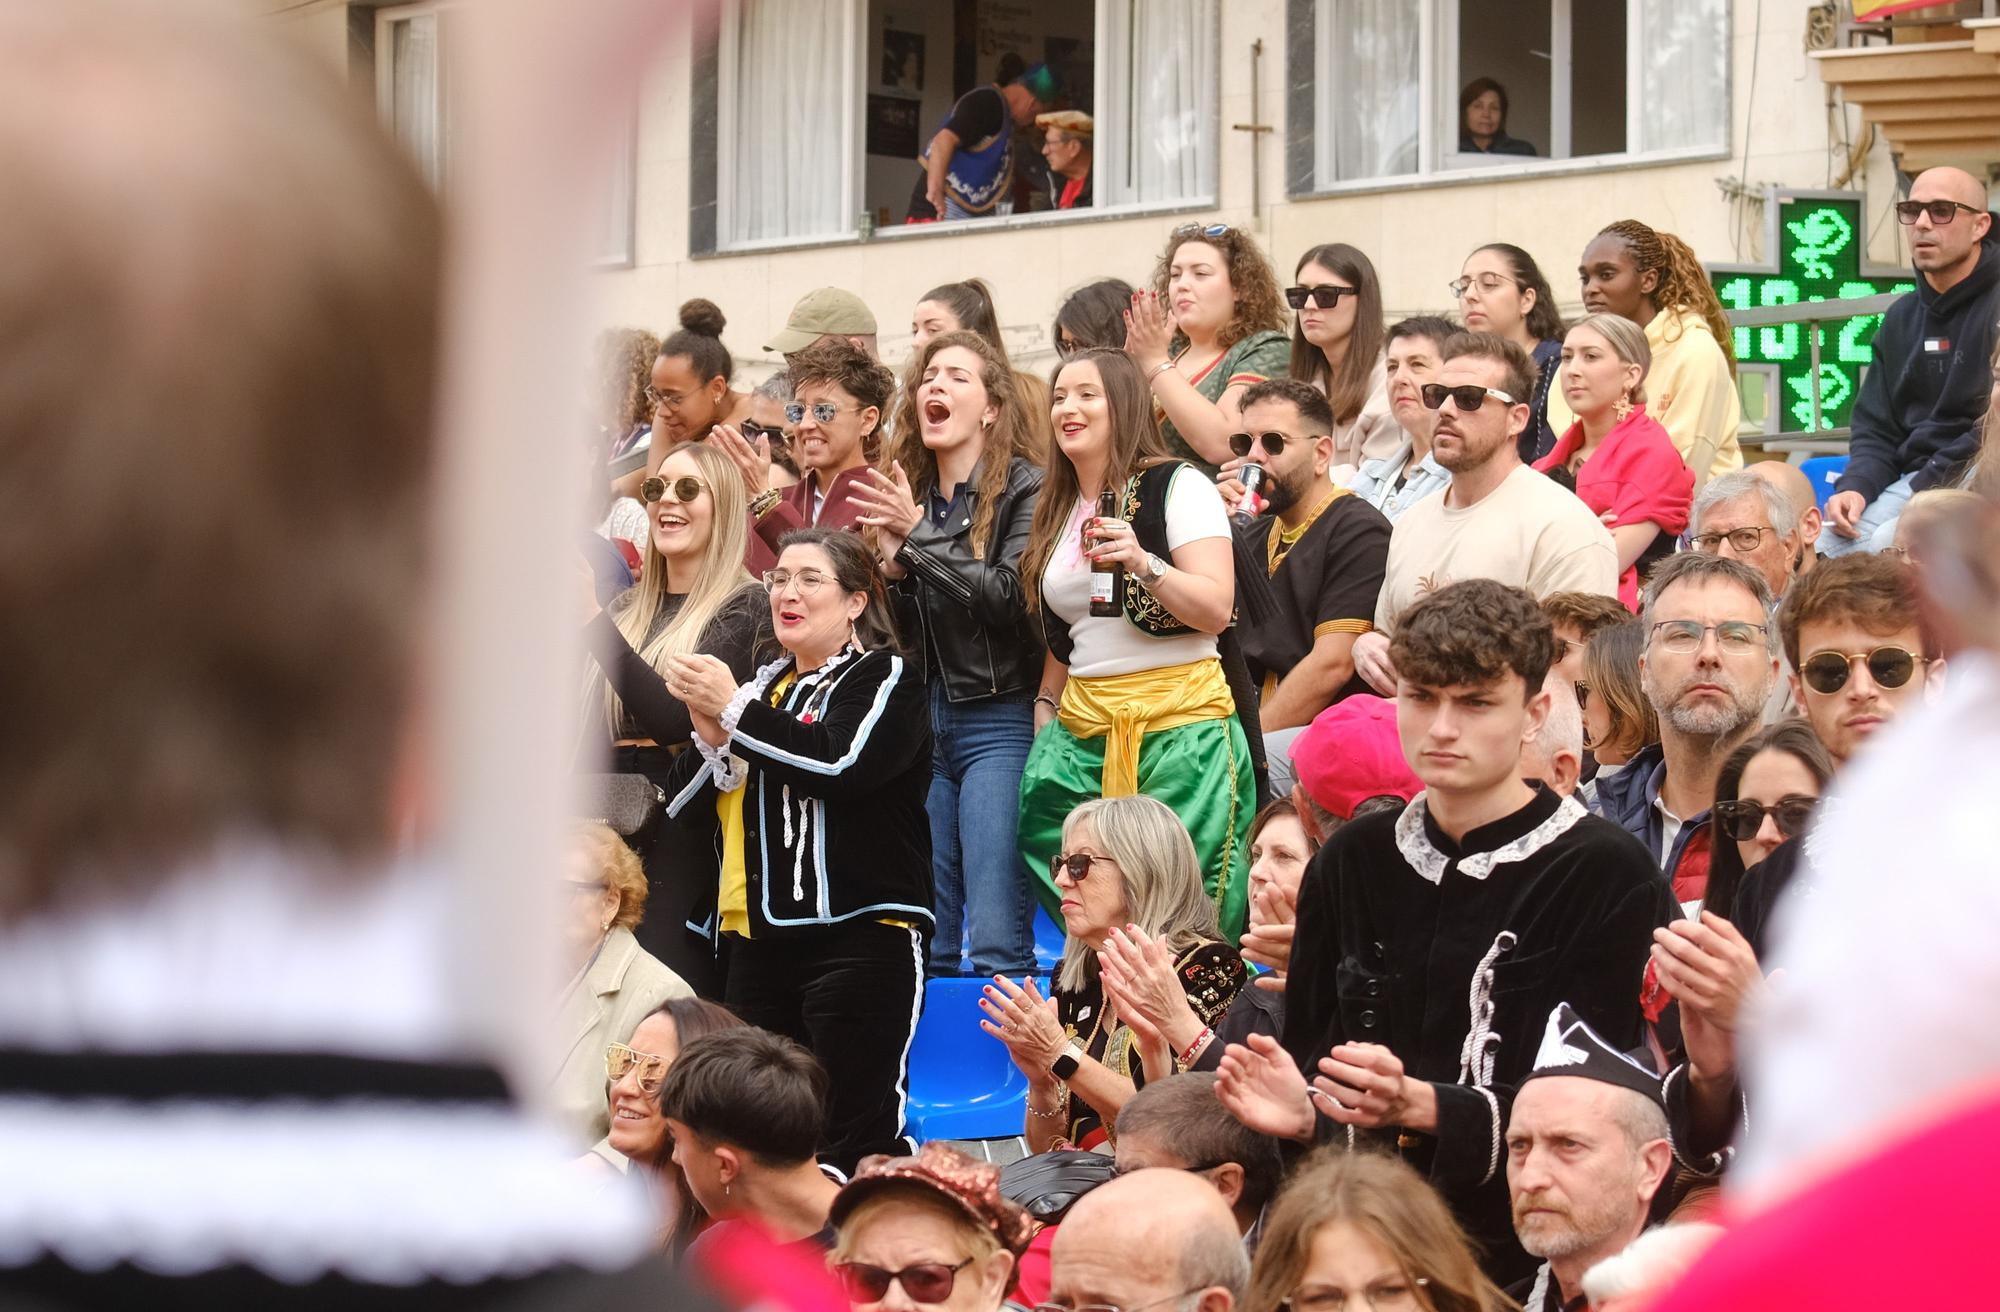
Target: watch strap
pixel 1065 1066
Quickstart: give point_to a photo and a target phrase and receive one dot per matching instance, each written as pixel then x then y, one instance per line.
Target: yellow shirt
pixel 1689 390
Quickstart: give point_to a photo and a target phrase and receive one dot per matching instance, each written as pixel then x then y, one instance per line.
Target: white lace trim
pixel 1424 857
pixel 383 1194
pixel 1538 1294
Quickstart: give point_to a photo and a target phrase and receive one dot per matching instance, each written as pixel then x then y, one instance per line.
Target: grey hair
pixel 778 387
pixel 1655 1260
pixel 1741 483
pixel 1697 567
pixel 1641 1119
pixel 1626 339
pixel 1563 729
pixel 1158 870
pixel 1213 1255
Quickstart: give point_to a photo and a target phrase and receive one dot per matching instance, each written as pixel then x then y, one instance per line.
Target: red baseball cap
pixel 1350 753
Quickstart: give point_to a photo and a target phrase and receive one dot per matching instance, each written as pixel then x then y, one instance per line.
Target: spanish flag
pixel 1867 9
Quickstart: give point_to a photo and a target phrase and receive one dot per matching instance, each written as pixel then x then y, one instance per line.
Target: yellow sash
pixel 1123 708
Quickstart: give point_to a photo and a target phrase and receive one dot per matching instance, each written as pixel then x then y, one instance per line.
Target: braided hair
pixel 1683 283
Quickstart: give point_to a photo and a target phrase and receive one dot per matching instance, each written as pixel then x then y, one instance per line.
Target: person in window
pixel 1482 121
pixel 951 516
pixel 1212 325
pixel 1136 702
pixel 969 163
pixel 816 771
pixel 1067 146
pixel 693 595
pixel 1411 357
pixel 1337 347
pixel 968 307
pixel 1615 456
pixel 1092 315
pixel 1501 290
pixel 1127 874
pixel 1656 281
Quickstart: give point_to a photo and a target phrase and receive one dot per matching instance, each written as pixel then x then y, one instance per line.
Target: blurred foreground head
pixel 219 310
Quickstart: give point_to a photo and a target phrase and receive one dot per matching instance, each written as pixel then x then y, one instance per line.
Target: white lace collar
pixel 1423 856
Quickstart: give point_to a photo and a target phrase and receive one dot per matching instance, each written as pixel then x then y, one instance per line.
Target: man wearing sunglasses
pixel 1322 551
pixel 1499 519
pixel 1858 650
pixel 1916 422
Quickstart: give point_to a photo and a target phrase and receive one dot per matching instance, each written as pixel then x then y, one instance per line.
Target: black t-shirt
pixel 1328 581
pixel 978 114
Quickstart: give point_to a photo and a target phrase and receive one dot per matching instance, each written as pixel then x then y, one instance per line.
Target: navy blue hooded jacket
pixel 1921 403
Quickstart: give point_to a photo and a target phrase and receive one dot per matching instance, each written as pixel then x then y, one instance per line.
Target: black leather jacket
pixel 971 617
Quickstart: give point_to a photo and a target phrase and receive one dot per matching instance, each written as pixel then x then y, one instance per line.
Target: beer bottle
pixel 1107 581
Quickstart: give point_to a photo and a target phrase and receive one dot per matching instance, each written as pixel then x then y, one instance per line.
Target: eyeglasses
pixel 1890 667
pixel 1735 637
pixel 1273 443
pixel 1741 820
pixel 663 400
pixel 1941 211
pixel 1740 540
pixel 822 412
pixel 1582 694
pixel 753 430
pixel 1112 1307
pixel 652 1067
pixel 1467 398
pixel 809 580
pixel 1067 346
pixel 1485 282
pixel 926 1282
pixel 1383 1296
pixel 1325 296
pixel 1077 864
pixel 685 488
pixel 1196 229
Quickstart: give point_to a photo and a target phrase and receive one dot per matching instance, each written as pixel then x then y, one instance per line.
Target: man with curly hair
pixel 1433 944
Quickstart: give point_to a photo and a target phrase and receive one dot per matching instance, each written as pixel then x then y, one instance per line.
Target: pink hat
pixel 1350 753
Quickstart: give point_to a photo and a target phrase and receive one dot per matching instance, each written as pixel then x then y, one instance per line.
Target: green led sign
pixel 1817 240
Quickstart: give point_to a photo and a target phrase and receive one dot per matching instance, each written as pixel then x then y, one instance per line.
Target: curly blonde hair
pixel 1260 307
pixel 624 368
pixel 620 869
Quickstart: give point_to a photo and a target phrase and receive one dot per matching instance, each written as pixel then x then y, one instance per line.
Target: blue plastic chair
pixel 1049 940
pixel 1824 472
pixel 963 1085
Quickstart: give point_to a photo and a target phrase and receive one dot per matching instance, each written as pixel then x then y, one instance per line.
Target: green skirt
pixel 1201 770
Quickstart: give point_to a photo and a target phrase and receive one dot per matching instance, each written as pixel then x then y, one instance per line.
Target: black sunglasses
pixel 927 1282
pixel 1941 211
pixel 1077 864
pixel 1273 443
pixel 1890 667
pixel 753 430
pixel 685 488
pixel 1467 398
pixel 1325 296
pixel 1742 820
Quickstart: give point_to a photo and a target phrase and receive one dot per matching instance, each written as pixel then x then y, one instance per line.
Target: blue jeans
pixel 1877 523
pixel 978 749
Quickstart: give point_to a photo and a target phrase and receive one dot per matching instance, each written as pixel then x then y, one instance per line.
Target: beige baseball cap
pixel 1073 121
pixel 826 310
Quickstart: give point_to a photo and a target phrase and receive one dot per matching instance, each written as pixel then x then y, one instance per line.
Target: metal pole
pixel 1812 328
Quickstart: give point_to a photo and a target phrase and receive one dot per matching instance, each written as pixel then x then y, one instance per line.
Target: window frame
pixel 1304 154
pixel 387 17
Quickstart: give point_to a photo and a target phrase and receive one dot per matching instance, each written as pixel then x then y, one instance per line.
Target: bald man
pixel 1146 1239
pixel 1798 490
pixel 1916 422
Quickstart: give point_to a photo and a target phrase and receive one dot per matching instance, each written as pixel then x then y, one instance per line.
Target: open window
pixel 823 108
pixel 1408 88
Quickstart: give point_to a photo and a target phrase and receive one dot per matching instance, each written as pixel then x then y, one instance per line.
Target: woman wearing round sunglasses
pixel 1126 864
pixel 1502 290
pixel 1764 794
pixel 1337 347
pixel 950 511
pixel 693 595
pixel 1617 458
pixel 816 770
pixel 1363 1232
pixel 931 1231
pixel 1212 325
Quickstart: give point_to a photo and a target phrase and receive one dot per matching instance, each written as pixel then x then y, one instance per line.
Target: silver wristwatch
pixel 1155 568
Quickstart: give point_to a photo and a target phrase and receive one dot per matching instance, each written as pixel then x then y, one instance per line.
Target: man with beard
pixel 1499 519
pixel 1587 1150
pixel 1710 660
pixel 1323 551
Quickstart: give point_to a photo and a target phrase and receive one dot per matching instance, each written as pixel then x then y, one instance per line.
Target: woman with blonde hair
pixel 613 982
pixel 1361 1230
pixel 1127 874
pixel 1617 458
pixel 693 595
pixel 950 505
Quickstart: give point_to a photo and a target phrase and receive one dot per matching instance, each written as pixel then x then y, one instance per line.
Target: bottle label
pixel 1103 588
